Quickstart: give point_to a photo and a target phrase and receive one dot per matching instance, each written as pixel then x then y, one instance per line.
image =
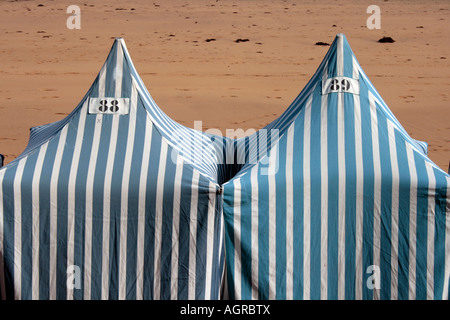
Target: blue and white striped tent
pixel 344 205
pixel 101 205
pixel 118 201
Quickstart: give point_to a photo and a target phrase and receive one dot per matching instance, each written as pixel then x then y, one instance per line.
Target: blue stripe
pixel 368 191
pixel 44 223
pixel 263 235
pixel 167 221
pixel 298 205
pixel 8 228
pixel 202 224
pixel 133 201
pixel 62 206
pixel 246 238
pixel 116 191
pixel 422 226
pixel 333 196
pixel 316 198
pixel 228 212
pixel 27 225
pixel 280 189
pixel 217 249
pixel 350 200
pixel 183 258
pixel 385 206
pixel 403 224
pixel 150 203
pixel 80 202
pixel 441 222
pixel 97 208
pixel 126 77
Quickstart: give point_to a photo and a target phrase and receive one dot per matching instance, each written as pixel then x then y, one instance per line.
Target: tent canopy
pixel 344 195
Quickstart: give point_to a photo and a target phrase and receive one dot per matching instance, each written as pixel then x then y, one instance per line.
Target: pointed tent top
pixel 338 73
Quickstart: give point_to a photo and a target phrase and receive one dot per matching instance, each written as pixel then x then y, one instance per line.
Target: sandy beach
pixel 189 57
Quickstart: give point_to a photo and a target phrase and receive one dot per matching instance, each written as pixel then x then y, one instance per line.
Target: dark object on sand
pixel 386 40
pixel 241 40
pixel 209 40
pixel 320 43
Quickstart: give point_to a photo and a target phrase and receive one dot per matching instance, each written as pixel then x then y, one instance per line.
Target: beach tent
pixel 101 205
pixel 331 200
pixel 343 205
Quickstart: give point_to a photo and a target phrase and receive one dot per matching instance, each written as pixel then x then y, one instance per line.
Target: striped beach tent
pixel 102 204
pixel 332 200
pixel 342 204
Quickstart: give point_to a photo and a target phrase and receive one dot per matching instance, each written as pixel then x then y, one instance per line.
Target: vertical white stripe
pixel 237 238
pixel 254 236
pixel 430 230
pixel 272 224
pixel 341 196
pixel 107 207
pixel 290 214
pixel 376 189
pixel 262 147
pixel 394 211
pixel 118 71
pixel 359 200
pixel 90 190
pixel 193 235
pixel 210 241
pixel 355 68
pixel 108 175
pixel 340 55
pixel 176 228
pixel 159 220
pixel 35 222
pixel 141 210
pixel 307 202
pixel 71 193
pixel 124 194
pixel 89 206
pixel 412 221
pixel 101 82
pixel 2 265
pixel 18 230
pixel 54 212
pixel 324 198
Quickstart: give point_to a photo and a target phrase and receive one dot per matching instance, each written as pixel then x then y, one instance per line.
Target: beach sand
pixel 47 68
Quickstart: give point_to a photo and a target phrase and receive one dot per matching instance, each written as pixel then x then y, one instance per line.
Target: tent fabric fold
pixel 332 200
